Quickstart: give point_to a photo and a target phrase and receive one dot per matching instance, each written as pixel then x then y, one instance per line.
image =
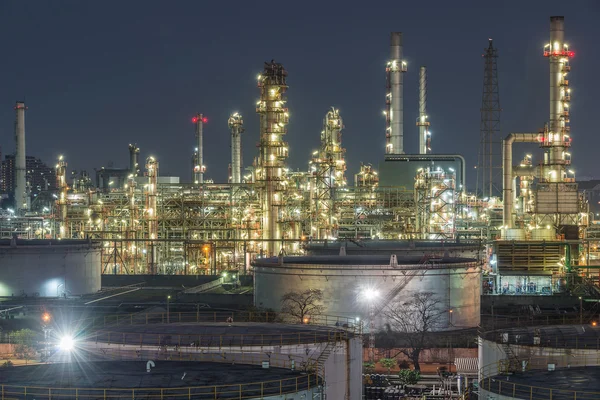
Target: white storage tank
pixel 49 268
pixel 454 282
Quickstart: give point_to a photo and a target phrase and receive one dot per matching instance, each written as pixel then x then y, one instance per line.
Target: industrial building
pixel 39 176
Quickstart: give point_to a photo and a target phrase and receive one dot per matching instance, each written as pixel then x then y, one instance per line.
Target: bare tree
pixel 412 323
pixel 303 305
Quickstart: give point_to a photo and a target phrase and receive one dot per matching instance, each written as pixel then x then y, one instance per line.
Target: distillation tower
pixel 236 125
pixel 328 168
pixel 273 150
pixel 557 195
pixel 394 113
pixel 134 166
pixel 422 122
pixel 151 213
pixel 61 202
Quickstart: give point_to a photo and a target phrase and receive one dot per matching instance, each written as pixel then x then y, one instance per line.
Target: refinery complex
pixel 406 223
pixel 153 224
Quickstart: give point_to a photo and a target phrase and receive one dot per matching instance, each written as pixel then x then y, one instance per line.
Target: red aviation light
pixel 194 120
pixel 204 120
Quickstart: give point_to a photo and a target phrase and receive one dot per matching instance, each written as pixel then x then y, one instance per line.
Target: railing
pixel 215 340
pixel 340 323
pixel 252 390
pixel 489 321
pixel 506 385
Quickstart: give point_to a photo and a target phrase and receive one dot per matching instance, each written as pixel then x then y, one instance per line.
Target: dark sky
pixel 98 75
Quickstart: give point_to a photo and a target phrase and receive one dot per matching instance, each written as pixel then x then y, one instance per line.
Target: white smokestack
pixel 21 195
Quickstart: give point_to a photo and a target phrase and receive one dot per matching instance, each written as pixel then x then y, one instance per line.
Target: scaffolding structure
pixel 435 201
pixel 328 168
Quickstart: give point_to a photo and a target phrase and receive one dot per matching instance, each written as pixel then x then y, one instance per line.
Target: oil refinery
pixel 152 224
pixel 404 225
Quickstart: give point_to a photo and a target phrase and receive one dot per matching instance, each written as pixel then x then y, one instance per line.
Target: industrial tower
pixel 423 122
pixel 328 168
pixel 489 160
pixel 199 120
pixel 273 150
pixel 394 113
pixel 236 125
pixel 21 193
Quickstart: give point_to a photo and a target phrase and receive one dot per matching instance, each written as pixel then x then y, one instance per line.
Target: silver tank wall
pixel 457 289
pixel 49 270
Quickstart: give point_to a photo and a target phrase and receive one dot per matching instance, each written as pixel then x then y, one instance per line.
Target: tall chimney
pixel 422 122
pixel 236 124
pixel 21 196
pixel 395 68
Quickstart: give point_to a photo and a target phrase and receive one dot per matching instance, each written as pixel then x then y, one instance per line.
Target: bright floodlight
pixel 66 343
pixel 371 294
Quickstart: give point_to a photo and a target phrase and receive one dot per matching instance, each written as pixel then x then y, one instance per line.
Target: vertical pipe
pixel 199 168
pixel 21 196
pixel 507 194
pixel 422 123
pixel 236 125
pixel 396 143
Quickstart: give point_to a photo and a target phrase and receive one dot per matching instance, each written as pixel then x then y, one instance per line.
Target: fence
pixel 506 321
pixel 252 390
pixel 215 340
pixel 348 324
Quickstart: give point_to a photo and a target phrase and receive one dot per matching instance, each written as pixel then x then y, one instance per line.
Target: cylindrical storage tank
pixel 514 234
pixel 455 284
pixel 543 234
pixel 49 268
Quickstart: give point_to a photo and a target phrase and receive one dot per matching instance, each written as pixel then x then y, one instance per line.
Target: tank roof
pixel 133 375
pixel 374 259
pixel 366 244
pixel 562 381
pixel 46 242
pixel 563 336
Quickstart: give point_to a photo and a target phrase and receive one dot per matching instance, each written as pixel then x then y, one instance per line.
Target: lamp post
pixel 168 308
pixel 371 295
pixel 580 310
pixel 450 312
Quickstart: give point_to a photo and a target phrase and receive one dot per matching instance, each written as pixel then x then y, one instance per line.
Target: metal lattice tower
pixel 489 161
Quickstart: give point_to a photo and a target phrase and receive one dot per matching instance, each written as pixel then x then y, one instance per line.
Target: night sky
pixel 98 75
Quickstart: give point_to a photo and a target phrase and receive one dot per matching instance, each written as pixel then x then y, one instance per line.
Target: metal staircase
pixel 320 364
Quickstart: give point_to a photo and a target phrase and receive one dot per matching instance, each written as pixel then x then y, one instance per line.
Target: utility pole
pixel 489 159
